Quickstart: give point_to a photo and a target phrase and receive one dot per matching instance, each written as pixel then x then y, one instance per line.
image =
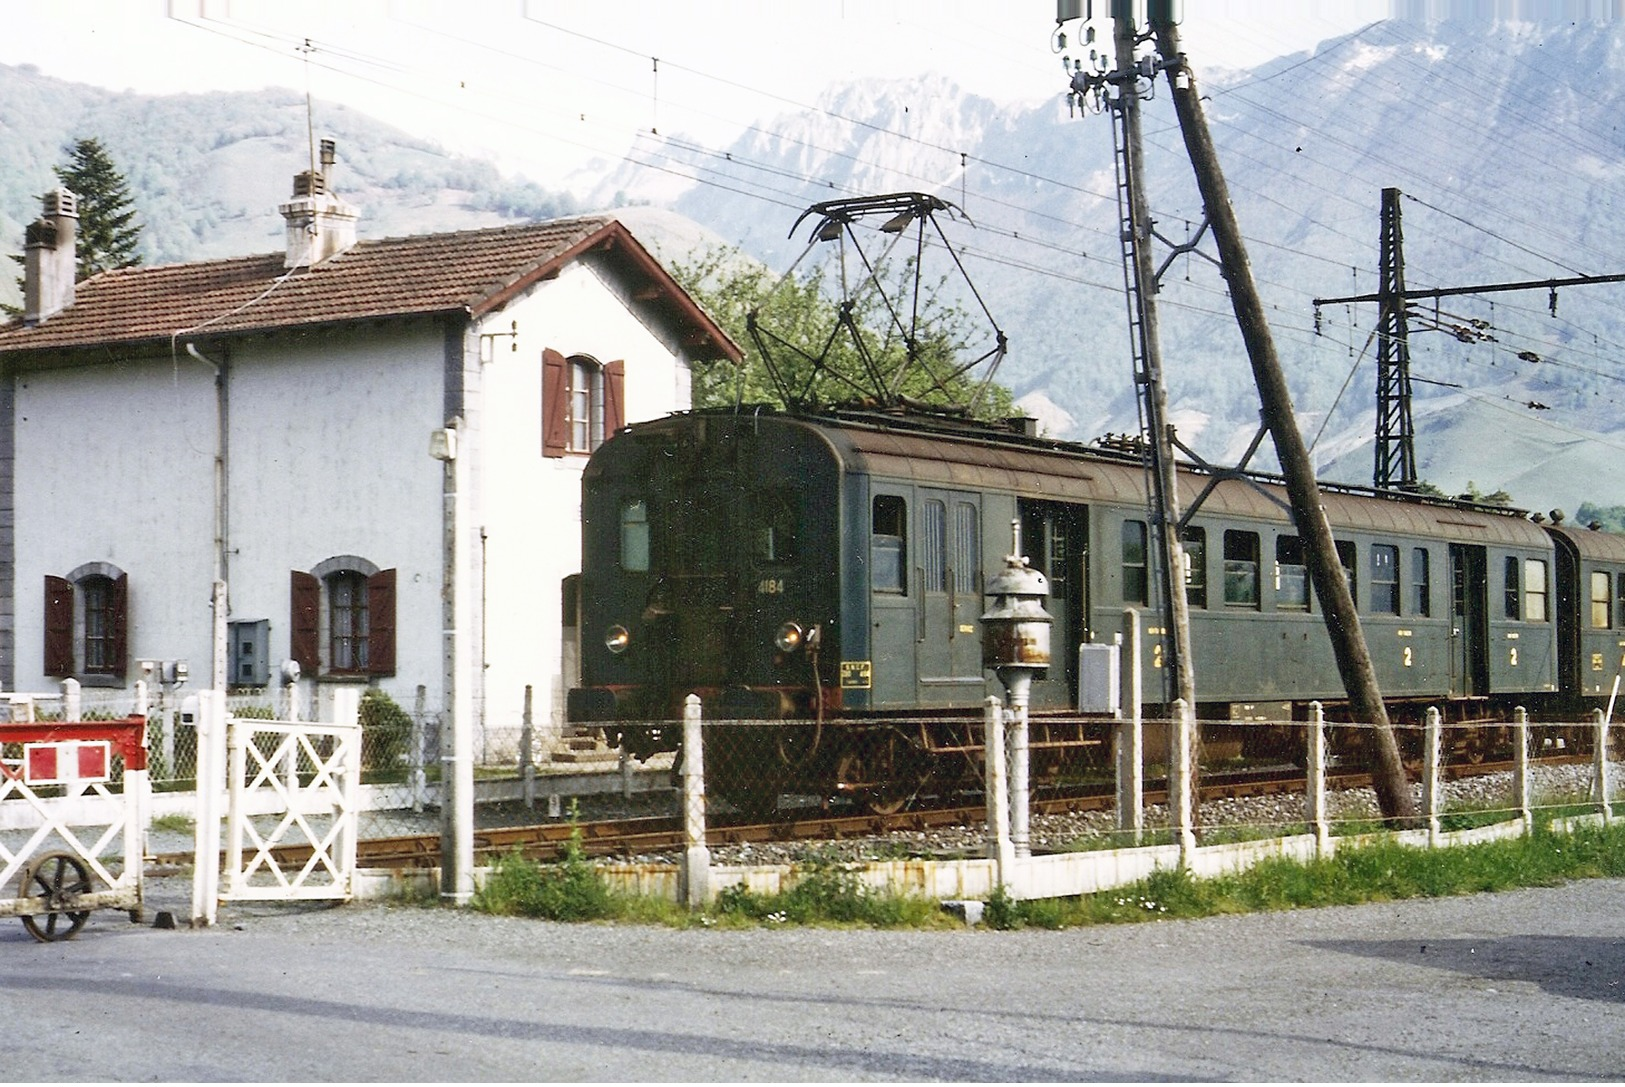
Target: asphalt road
pixel 1528 985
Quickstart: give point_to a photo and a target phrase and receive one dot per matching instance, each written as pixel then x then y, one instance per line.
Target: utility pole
pixel 1140 283
pixel 1337 603
pixel 1396 437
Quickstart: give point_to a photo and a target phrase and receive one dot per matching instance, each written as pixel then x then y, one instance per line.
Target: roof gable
pixel 471 271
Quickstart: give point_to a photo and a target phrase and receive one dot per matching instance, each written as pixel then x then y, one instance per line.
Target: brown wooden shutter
pixel 381 623
pixel 304 641
pixel 58 626
pixel 614 397
pixel 555 401
pixel 119 620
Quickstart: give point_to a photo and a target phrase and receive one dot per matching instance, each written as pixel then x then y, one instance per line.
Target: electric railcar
pixel 830 570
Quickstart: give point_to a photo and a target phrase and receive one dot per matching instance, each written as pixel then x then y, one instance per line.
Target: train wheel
pixel 1476 747
pixel 59 879
pixel 885 774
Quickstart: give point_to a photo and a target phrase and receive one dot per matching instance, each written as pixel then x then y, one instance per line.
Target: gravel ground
pixel 1516 987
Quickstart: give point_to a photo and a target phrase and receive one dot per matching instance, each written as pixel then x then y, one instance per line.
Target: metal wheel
pixel 59 879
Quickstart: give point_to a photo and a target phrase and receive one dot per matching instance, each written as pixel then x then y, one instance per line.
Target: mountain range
pixel 1503 138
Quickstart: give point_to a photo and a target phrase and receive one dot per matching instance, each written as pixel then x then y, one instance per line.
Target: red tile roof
pixel 470 271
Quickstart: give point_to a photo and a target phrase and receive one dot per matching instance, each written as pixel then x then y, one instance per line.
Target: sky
pixel 552 89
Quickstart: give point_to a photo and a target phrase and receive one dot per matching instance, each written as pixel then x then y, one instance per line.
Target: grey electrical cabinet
pixel 248 654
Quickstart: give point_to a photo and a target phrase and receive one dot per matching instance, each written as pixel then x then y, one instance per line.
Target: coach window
pixel 635 536
pixel 1534 590
pixel 1619 612
pixel 967 549
pixel 1513 610
pixel 1291 575
pixel 1385 579
pixel 933 547
pixel 1345 559
pixel 776 527
pixel 1421 582
pixel 1194 541
pixel 1240 569
pixel 1135 581
pixel 888 544
pixel 1602 600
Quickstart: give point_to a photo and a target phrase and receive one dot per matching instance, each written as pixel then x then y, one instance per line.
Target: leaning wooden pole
pixel 1337 603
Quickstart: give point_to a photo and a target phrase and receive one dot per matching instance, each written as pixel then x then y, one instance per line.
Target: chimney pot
pixel 50 261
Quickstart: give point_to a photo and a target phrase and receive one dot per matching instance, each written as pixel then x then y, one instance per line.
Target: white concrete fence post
pixel 1599 746
pixel 1000 849
pixel 1315 780
pixel 1520 769
pixel 696 854
pixel 527 740
pixel 1130 738
pixel 72 706
pixel 1432 795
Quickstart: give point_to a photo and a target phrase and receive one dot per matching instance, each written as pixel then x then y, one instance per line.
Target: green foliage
pixel 108 234
pixel 571 890
pixel 824 892
pixel 801 316
pixel 1606 518
pixel 385 730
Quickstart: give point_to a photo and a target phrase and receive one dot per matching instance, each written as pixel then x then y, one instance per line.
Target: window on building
pixel 582 402
pixel 1385 579
pixel 1602 599
pixel 1291 575
pixel 343 618
pixel 1421 582
pixel 888 544
pixel 1136 583
pixel 1534 590
pixel 1194 541
pixel 1240 569
pixel 87 623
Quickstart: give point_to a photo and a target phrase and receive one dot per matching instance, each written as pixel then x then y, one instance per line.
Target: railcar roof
pixel 1599 546
pixel 1068 472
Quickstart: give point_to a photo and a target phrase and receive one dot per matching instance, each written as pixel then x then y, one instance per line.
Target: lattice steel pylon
pixel 1396 439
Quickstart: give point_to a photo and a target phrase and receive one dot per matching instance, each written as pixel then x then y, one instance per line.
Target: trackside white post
pixel 527 741
pixel 347 714
pixel 211 728
pixel 1131 735
pixel 1020 790
pixel 72 708
pixel 1599 746
pixel 143 794
pixel 696 855
pixel 1431 793
pixel 1520 769
pixel 1315 779
pixel 141 701
pixel 1179 780
pixel 999 847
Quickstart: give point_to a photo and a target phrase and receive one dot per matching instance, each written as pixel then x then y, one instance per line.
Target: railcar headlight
pixel 617 638
pixel 789 637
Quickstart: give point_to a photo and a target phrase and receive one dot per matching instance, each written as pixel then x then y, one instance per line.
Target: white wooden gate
pixel 292 795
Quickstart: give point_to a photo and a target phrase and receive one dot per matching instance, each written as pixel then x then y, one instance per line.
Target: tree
pixel 803 321
pixel 108 234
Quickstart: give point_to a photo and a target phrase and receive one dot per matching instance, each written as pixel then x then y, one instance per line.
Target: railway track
pixel 664 834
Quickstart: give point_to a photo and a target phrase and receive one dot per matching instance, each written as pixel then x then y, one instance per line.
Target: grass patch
pixel 174 822
pixel 1379 872
pixel 824 891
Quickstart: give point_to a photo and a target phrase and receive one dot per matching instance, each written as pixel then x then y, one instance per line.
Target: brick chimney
pixel 49 259
pixel 320 225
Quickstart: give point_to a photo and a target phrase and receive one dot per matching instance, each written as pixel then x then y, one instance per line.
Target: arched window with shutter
pixel 342 618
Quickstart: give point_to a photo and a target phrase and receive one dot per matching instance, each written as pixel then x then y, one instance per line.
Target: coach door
pixel 949 573
pixel 1469 621
pixel 1054 539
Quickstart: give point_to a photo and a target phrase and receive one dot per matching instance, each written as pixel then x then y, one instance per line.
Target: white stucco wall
pixel 530 505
